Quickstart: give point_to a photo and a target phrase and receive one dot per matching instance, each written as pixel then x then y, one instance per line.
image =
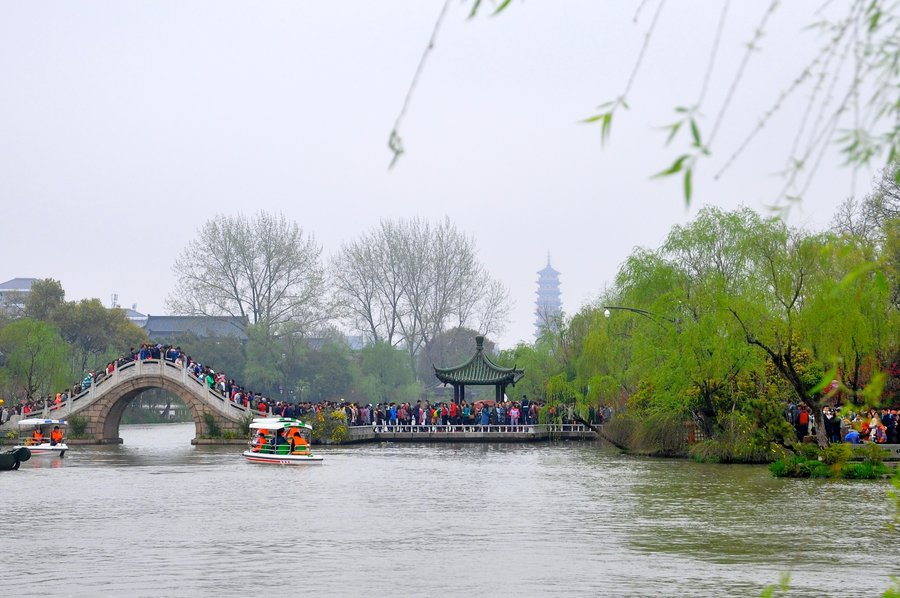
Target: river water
pixel 158 517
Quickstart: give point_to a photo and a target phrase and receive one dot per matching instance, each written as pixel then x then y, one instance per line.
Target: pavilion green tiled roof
pixel 479 370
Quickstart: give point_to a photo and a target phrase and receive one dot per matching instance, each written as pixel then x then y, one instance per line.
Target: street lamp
pixel 642 312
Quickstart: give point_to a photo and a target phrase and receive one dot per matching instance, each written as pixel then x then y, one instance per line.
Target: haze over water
pixel 157 517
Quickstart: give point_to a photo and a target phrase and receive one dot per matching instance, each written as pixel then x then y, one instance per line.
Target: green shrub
pixel 837 453
pixel 739 439
pixel 834 464
pixel 779 468
pixel 621 429
pixel 727 449
pixel 859 471
pixel 818 469
pixel 77 426
pixel 329 426
pixel 870 453
pixel 245 425
pixel 709 451
pixel 798 466
pixel 662 435
pixel 213 430
pixel 808 451
pixel 229 434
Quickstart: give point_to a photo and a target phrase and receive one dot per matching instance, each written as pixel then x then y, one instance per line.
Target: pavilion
pixel 478 371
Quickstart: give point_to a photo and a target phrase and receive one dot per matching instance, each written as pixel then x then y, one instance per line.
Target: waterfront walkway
pixel 470 433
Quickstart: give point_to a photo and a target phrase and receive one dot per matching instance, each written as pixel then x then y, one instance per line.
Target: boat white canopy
pixel 278 423
pixel 41 422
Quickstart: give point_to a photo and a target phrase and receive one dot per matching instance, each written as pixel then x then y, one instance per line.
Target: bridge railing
pixel 488 429
pixel 163 367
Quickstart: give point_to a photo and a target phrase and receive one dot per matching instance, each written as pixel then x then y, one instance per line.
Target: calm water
pixel 157 517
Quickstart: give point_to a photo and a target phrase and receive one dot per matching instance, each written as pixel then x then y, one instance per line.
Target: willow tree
pixel 686 350
pixel 817 307
pixel 844 92
pixel 33 356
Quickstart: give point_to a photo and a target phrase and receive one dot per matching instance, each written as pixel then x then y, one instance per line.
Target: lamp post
pixel 655 318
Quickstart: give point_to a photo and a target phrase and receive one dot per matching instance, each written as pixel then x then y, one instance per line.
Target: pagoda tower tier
pixel 548 305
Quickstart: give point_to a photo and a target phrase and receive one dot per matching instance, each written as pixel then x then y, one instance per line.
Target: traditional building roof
pixel 161 328
pixel 17 284
pixel 479 370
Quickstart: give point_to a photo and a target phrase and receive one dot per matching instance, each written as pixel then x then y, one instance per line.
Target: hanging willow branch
pixel 395 142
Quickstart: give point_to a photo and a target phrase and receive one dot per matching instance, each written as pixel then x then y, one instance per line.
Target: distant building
pixel 548 306
pixel 166 328
pixel 135 317
pixel 357 342
pixel 13 294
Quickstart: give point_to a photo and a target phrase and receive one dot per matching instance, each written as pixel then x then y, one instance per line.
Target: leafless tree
pixel 855 219
pixel 867 219
pixel 547 319
pixel 366 278
pixel 883 203
pixel 407 281
pixel 261 267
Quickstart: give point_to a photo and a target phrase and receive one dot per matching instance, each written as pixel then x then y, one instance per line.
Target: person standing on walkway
pixel 802 422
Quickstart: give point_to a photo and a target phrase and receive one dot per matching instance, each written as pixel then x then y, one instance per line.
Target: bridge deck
pixel 534 433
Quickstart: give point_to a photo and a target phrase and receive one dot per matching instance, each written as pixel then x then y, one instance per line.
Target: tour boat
pixel 280 440
pixel 45 445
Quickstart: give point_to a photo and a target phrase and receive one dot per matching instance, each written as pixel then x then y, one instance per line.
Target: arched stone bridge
pixel 105 401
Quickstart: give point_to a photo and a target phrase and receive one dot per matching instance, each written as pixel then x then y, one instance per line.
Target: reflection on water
pixel 159 517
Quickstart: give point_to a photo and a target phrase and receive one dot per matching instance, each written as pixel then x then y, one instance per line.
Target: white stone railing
pixel 148 367
pixel 476 428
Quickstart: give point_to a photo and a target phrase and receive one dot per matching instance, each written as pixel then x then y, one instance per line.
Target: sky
pixel 126 125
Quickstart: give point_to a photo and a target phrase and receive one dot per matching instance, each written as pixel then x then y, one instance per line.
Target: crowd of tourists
pixel 400 416
pixel 172 353
pixel 392 416
pixel 875 425
pixel 424 415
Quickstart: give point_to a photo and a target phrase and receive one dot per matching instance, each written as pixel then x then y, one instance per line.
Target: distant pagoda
pixel 548 305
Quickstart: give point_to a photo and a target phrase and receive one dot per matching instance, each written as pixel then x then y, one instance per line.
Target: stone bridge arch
pixel 104 403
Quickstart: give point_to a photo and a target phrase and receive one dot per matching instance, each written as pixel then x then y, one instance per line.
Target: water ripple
pixel 157 517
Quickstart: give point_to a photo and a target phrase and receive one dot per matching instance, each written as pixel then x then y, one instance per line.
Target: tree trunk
pixel 821 434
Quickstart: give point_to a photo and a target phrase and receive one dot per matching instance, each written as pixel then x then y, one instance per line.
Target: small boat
pixel 43 436
pixel 10 460
pixel 281 440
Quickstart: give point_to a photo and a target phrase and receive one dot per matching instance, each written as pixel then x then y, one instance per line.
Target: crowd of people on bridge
pixel 424 415
pixel 50 402
pixel 513 414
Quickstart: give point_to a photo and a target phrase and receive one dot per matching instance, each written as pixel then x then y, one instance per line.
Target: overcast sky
pixel 125 125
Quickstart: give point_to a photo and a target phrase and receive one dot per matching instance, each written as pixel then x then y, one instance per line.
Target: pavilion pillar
pixel 456 393
pixel 498 393
pixel 462 393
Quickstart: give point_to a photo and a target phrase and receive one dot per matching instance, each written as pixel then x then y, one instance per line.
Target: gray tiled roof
pixel 165 327
pixel 17 284
pixel 479 370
